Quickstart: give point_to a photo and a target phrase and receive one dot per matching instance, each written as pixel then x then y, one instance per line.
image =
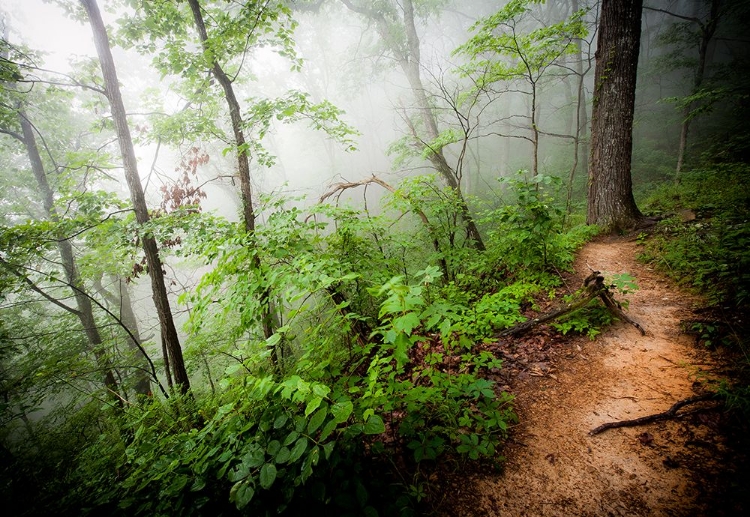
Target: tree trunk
pixel 410 62
pixel 124 306
pixel 130 165
pixel 85 310
pixel 610 195
pixel 707 33
pixel 268 320
pixel 535 133
pixel 580 147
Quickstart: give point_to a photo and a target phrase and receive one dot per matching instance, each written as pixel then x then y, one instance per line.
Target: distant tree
pixel 610 195
pixel 395 25
pixel 701 31
pixel 505 49
pixel 15 122
pixel 130 164
pixel 208 45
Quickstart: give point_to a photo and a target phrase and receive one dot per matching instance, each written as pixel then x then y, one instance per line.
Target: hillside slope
pixel 679 467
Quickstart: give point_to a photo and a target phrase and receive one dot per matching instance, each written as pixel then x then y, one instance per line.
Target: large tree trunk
pixel 130 164
pixel 610 198
pixel 83 302
pixel 268 320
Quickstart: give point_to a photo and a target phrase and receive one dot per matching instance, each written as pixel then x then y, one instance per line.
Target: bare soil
pixel 566 387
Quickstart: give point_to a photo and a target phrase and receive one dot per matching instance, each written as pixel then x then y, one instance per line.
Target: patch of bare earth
pixel 555 468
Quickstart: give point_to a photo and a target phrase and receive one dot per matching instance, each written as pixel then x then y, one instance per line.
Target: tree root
pixel 666 415
pixel 593 287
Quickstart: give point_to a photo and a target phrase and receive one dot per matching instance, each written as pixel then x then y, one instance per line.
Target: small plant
pixel 442 403
pixel 624 283
pixel 590 320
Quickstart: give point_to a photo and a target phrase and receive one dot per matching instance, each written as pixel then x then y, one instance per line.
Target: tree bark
pixel 268 320
pixel 130 165
pixel 85 312
pixel 124 306
pixel 610 194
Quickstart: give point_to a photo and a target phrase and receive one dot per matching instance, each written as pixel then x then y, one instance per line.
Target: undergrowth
pixel 703 243
pixel 370 384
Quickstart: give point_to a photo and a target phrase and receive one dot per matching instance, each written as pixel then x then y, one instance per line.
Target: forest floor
pixel 689 466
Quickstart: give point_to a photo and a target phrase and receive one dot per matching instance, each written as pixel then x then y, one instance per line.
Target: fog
pixel 347 63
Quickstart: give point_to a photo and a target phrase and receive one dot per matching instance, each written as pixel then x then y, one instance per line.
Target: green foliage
pixel 528 235
pixel 421 372
pixel 592 318
pixel 589 320
pixel 501 50
pixel 293 107
pixel 709 252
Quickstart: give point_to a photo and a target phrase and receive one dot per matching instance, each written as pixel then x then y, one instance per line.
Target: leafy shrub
pixel 709 252
pixel 425 374
pixel 528 239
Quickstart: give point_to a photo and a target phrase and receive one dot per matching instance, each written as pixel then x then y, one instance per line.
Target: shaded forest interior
pixel 252 254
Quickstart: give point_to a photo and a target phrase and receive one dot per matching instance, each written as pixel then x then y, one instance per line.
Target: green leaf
pixel 341 411
pixel 198 484
pixel 241 493
pixel 374 425
pixel 267 475
pixel 254 457
pixel 291 437
pixel 316 420
pixel 280 421
pixel 283 455
pixel 327 430
pixel 313 405
pixel 273 447
pixel 402 345
pixel 298 450
pixel 407 322
pixel 321 390
pixel 328 449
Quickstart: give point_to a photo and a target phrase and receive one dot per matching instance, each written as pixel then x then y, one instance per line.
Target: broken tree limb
pixel 616 309
pixel 338 188
pixel 593 287
pixel 666 415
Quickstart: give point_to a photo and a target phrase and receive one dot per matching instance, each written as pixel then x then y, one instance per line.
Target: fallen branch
pixel 666 415
pixel 593 287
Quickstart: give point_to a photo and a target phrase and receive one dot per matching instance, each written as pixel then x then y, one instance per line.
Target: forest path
pixel 555 468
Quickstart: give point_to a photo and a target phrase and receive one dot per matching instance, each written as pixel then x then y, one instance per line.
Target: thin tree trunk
pixel 610 201
pixel 130 165
pixel 707 33
pixel 124 306
pixel 580 148
pixel 268 320
pixel 410 63
pixel 165 358
pixel 85 310
pixel 535 132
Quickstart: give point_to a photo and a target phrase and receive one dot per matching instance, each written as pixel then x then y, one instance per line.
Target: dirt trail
pixel 555 468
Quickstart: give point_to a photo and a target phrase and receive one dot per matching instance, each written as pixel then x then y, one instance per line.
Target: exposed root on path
pixel 670 413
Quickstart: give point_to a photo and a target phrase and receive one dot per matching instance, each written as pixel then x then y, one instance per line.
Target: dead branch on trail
pixel 593 287
pixel 666 415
